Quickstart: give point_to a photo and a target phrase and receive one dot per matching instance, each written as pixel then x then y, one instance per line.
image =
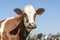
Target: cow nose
pixel 32 25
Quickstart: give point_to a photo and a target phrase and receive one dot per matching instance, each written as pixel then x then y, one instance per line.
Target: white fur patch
pixel 30 11
pixel 3 25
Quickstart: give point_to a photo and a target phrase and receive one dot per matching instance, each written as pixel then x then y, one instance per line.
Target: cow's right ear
pixel 18 11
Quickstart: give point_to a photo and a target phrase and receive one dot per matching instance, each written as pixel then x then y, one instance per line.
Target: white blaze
pixel 3 25
pixel 30 11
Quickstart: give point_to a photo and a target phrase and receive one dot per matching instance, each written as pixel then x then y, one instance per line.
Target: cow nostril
pixel 29 24
pixel 32 24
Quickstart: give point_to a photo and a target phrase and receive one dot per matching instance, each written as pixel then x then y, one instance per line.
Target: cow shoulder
pixel 12 23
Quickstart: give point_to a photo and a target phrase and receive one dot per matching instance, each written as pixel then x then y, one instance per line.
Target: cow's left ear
pixel 40 11
pixel 18 11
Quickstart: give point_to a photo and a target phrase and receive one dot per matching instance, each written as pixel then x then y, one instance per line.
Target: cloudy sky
pixel 48 22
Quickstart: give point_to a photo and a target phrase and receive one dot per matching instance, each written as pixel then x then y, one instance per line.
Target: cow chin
pixel 32 27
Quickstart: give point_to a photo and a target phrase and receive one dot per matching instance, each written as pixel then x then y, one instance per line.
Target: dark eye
pixel 25 15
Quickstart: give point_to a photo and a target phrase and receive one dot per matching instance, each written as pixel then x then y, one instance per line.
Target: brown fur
pixel 11 26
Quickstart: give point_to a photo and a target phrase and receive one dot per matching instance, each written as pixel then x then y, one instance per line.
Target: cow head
pixel 29 14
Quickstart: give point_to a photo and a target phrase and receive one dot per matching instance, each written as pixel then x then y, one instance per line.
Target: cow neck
pixel 24 33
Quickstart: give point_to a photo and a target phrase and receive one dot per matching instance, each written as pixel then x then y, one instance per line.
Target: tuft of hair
pixel 29 9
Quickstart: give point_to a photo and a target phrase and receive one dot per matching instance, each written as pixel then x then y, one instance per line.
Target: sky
pixel 48 22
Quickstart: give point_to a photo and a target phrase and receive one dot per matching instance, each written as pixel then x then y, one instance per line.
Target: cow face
pixel 29 15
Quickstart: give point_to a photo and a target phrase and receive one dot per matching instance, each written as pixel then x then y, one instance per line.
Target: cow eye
pixel 25 15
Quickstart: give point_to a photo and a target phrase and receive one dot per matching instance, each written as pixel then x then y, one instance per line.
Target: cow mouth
pixel 30 28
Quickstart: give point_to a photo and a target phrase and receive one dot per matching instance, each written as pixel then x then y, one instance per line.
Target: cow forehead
pixel 29 9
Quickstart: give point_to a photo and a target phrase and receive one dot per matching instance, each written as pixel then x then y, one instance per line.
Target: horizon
pixel 48 22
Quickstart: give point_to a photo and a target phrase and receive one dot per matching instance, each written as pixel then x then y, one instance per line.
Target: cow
pixel 18 28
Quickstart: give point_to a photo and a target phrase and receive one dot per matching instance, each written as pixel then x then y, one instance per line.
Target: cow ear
pixel 40 11
pixel 18 11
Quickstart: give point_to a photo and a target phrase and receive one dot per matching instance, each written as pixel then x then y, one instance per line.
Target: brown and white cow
pixel 18 28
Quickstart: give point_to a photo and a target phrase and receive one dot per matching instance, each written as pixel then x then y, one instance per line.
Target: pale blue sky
pixel 48 22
